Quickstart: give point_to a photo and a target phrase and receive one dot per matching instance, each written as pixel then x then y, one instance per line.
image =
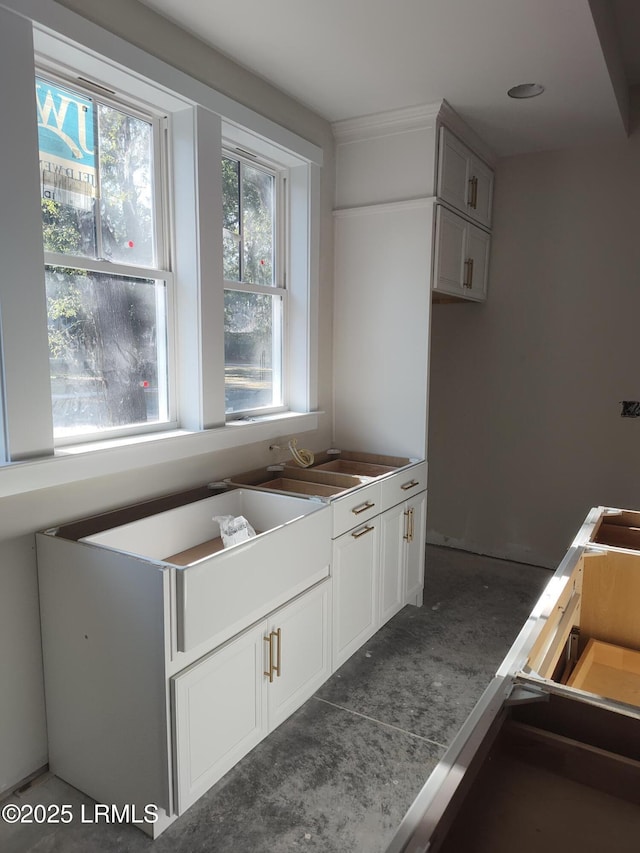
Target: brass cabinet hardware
pixel 410 485
pixel 470 272
pixel 408 514
pixel 362 507
pixel 274 668
pixel 474 195
pixel 269 672
pixel 278 665
pixel 470 192
pixel 465 279
pixel 358 533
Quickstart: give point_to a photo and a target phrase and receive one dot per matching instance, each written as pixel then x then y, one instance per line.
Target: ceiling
pixel 348 58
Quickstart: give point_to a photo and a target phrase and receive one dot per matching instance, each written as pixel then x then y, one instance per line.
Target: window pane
pixel 67 169
pixel 253 350
pixel 107 350
pixel 257 225
pixel 231 218
pixel 78 164
pixel 126 187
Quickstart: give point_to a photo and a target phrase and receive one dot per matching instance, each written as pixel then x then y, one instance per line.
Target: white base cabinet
pixel 225 704
pixel 402 548
pixel 355 580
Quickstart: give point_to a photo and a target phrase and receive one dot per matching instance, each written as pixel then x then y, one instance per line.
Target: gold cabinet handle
pixel 274 668
pixel 269 672
pixel 470 192
pixel 358 533
pixel 362 507
pixel 277 668
pixel 467 267
pixel 408 514
pixel 474 197
pixel 470 272
pixel 410 485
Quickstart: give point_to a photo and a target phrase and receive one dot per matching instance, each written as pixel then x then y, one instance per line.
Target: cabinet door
pixel 477 263
pixel 450 267
pixel 220 714
pixel 453 171
pixel 355 589
pixel 415 549
pixel 481 178
pixel 299 644
pixel 464 180
pixel 393 529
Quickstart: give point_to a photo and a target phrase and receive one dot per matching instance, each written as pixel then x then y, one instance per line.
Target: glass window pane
pixel 231 218
pixel 253 351
pixel 67 169
pixel 107 350
pixel 257 225
pixel 126 187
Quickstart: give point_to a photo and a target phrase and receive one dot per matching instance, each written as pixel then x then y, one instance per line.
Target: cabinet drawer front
pixel 403 485
pixel 222 595
pixel 356 508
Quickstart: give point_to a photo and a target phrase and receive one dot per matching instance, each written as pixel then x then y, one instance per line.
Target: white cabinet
pixel 402 555
pixel 174 633
pixel 464 180
pixel 461 266
pixel 355 589
pixel 219 714
pixel 382 305
pixel 225 704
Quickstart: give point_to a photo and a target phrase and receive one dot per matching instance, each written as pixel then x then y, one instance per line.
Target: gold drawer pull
pixel 411 485
pixel 358 533
pixel 278 665
pixel 362 507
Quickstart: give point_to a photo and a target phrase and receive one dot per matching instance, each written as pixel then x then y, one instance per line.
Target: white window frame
pixel 278 288
pixel 201 118
pixel 160 271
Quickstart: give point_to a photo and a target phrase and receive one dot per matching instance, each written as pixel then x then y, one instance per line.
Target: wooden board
pixel 608 670
pixel 610 596
pixel 198 552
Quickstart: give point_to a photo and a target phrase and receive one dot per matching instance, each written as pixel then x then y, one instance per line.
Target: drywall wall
pixel 23 747
pixel 525 427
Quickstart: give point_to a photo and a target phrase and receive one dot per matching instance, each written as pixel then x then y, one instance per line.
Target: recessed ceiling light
pixel 526 90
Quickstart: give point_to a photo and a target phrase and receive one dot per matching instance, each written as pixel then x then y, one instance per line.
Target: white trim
pixel 76 30
pixel 387 123
pixel 385 207
pixel 105 458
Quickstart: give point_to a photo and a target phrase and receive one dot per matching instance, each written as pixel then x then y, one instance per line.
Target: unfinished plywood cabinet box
pixel 550 757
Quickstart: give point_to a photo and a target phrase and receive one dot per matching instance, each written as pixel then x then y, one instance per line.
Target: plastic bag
pixel 234 529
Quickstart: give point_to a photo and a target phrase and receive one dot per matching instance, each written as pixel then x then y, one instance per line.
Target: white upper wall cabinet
pixel 464 180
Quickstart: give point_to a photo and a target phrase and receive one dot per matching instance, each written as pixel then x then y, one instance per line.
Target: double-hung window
pixel 106 270
pixel 254 293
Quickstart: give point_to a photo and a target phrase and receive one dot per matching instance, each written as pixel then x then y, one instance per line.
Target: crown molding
pixel 386 123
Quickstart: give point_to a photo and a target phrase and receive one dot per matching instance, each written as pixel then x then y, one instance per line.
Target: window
pixel 254 298
pixel 106 285
pixel 128 206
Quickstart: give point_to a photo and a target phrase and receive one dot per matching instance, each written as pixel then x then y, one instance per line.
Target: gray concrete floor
pixel 339 774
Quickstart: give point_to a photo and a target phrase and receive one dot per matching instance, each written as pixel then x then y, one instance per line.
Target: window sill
pixel 102 458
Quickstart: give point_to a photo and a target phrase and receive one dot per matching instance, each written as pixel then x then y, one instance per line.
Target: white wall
pixel 22 721
pixel 525 427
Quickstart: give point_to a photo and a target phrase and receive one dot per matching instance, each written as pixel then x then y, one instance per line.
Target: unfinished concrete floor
pixel 339 774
